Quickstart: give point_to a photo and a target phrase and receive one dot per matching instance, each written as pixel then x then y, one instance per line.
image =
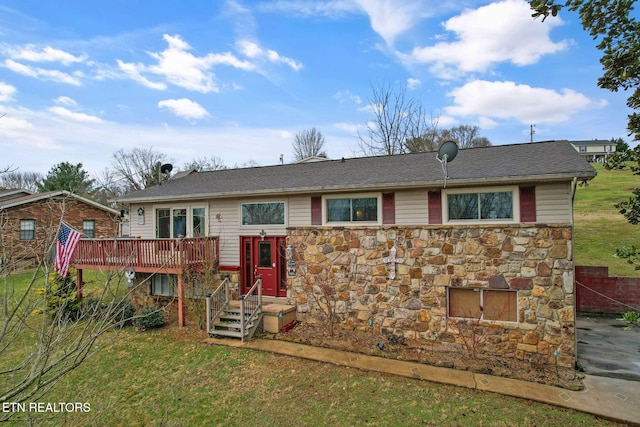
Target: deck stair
pixel 236 319
pixel 229 322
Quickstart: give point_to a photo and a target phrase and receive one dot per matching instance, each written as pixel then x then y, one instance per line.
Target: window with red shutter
pixel 435 207
pixel 527 204
pixel 316 210
pixel 388 208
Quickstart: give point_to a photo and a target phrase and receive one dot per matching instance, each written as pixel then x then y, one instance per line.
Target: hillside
pixel 599 227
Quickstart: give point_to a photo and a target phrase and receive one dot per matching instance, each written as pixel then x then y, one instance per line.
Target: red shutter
pixel 316 210
pixel 435 207
pixel 388 208
pixel 527 204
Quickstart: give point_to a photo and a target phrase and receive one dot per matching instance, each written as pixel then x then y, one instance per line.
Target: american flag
pixel 65 246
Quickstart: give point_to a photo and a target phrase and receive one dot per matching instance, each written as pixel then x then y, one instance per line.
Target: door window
pixel 163 223
pixel 264 255
pixel 179 223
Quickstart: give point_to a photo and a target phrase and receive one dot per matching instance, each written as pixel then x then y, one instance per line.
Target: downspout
pixel 574 188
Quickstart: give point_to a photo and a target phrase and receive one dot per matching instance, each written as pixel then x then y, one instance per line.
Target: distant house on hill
pixel 596 150
pixel 399 252
pixel 29 222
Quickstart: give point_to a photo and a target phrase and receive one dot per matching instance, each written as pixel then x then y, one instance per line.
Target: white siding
pixel 145 231
pixel 229 229
pixel 553 203
pixel 299 211
pixel 412 207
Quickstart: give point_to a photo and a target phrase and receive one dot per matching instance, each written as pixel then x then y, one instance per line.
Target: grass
pixel 166 378
pixel 599 228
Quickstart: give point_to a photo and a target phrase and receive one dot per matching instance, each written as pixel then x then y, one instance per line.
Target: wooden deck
pixel 146 255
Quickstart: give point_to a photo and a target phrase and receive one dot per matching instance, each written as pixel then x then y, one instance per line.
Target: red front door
pixel 264 257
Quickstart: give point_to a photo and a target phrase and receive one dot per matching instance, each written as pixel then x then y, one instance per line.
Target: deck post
pixel 79 282
pixel 180 301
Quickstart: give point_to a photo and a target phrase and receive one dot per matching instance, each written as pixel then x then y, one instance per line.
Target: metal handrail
pixel 250 302
pixel 217 302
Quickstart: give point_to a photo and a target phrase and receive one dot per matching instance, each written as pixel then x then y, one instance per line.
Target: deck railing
pixel 217 302
pixel 251 307
pixel 167 254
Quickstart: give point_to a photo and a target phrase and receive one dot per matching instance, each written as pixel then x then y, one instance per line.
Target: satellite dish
pixel 166 168
pixel 447 151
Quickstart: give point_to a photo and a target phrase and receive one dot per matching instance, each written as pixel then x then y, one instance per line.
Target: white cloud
pixel 508 100
pixel 182 68
pixel 331 8
pixel 12 124
pixel 77 117
pixel 45 54
pixel 352 128
pixel 390 18
pixel 178 66
pixel 6 92
pixel 254 51
pixel 413 83
pixel 40 73
pixel 133 71
pixel 184 108
pixel 498 32
pixel 65 100
pixel 344 96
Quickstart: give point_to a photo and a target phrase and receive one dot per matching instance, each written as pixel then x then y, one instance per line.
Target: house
pixel 596 150
pixel 388 242
pixel 29 222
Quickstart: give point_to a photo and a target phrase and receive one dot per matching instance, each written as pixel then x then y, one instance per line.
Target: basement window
pixel 164 285
pixel 483 304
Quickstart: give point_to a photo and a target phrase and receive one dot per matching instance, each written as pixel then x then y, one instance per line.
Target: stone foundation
pixel 344 267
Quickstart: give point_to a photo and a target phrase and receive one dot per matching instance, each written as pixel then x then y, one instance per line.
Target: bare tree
pixel 14 180
pixel 308 143
pixel 248 164
pixel 202 164
pixel 45 331
pixel 399 120
pixel 139 168
pixel 107 186
pixel 466 136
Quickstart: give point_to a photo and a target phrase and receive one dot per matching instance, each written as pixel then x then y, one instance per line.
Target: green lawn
pixel 599 227
pixel 168 378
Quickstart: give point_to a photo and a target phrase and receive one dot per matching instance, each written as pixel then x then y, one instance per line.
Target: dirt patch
pixel 431 353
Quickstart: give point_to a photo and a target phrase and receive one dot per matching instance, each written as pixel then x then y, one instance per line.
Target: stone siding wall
pixel 534 260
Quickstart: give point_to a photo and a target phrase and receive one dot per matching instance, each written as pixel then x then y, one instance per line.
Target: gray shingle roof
pixel 518 163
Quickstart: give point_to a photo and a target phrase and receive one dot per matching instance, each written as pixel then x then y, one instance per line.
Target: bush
pixel 62 300
pixel 123 313
pixel 149 317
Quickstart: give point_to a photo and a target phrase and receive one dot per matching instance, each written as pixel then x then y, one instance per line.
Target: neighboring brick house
pixel 29 222
pixel 494 244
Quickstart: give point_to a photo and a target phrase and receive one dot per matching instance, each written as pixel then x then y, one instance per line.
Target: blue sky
pixel 236 79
